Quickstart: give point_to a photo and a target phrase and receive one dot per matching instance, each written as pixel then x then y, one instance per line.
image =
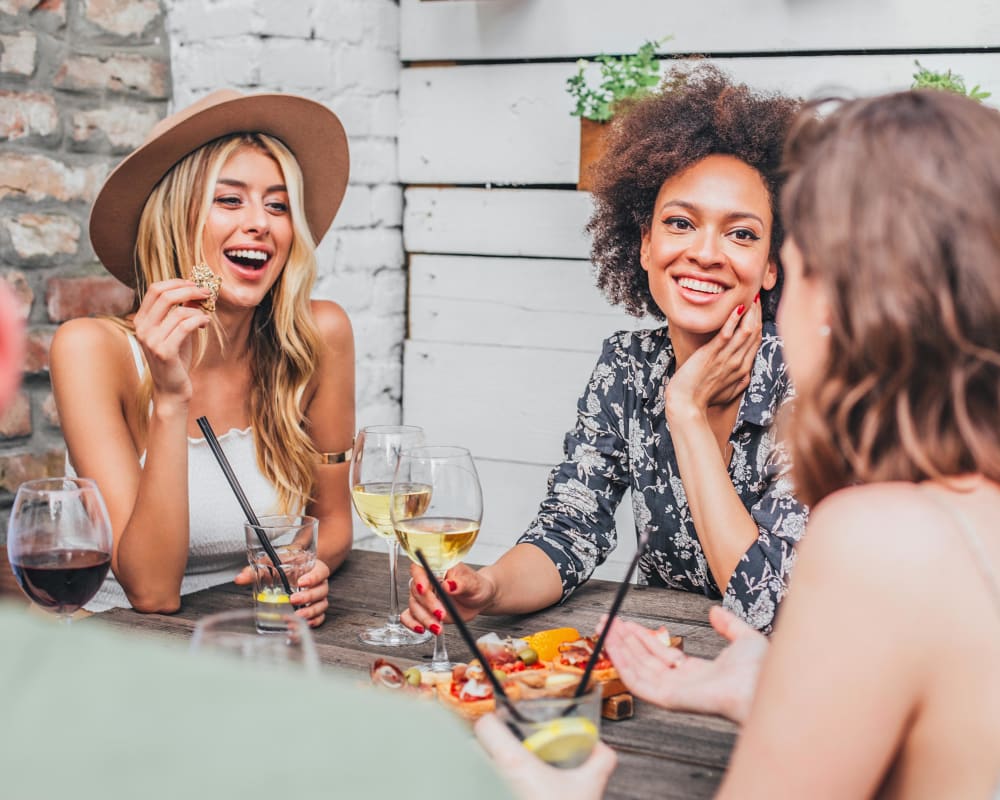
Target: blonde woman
pixel 245 186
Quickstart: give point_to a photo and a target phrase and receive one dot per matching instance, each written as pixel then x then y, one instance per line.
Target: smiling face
pixel 248 232
pixel 706 250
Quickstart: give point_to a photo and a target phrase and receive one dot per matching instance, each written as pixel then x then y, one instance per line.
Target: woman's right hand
pixel 469 590
pixel 167 317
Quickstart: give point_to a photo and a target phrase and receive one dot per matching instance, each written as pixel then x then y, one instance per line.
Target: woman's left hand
pixel 719 370
pixel 310 598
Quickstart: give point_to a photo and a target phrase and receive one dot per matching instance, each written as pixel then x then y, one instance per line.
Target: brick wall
pixel 81 83
pixel 345 54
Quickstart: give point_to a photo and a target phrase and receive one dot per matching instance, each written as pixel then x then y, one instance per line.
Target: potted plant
pixel 621 78
pixel 925 78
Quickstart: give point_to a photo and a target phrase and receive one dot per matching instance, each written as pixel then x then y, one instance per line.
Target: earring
pixel 824 330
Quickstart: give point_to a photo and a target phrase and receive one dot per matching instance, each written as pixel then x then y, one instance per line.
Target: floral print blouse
pixel 622 441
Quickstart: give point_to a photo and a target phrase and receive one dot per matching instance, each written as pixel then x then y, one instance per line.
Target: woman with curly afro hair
pixel 686 230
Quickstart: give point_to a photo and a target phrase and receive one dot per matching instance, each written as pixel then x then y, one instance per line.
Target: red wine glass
pixel 59 542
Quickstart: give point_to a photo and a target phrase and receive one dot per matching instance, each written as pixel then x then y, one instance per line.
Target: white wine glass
pixel 59 542
pixel 373 465
pixel 447 527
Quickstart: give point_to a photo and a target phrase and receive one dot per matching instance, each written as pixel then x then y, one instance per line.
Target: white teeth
pixel 257 255
pixel 700 286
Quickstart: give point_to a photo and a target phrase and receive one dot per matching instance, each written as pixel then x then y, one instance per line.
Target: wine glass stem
pixel 439 661
pixel 393 592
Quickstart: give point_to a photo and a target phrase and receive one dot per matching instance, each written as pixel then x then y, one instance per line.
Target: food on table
pixel 470 693
pixel 513 659
pixel 203 276
pixel 546 643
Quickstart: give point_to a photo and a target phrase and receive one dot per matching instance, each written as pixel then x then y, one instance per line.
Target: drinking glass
pixel 293 539
pixel 446 528
pixel 376 451
pixel 562 731
pixel 234 633
pixel 59 542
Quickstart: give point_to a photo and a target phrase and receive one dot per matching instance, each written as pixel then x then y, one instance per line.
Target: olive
pixel 412 676
pixel 528 656
pixel 500 675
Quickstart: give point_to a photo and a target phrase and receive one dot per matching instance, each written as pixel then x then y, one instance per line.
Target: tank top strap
pixel 974 544
pixel 140 365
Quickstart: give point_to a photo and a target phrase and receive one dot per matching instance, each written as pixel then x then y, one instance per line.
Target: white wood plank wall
pixel 505 323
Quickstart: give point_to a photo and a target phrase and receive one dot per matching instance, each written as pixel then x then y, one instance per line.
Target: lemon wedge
pixel 272 596
pixel 564 742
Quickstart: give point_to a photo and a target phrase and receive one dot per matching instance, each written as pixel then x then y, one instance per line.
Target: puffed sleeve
pixel 575 525
pixel 760 580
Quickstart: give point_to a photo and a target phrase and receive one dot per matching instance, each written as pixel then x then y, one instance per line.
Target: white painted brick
pixel 339 21
pixel 370 248
pixel 381 379
pixel 18 56
pixel 353 290
pixel 373 410
pixel 355 112
pixel 381 24
pixel 390 292
pixel 295 65
pixel 385 115
pixel 368 69
pixel 356 211
pixel 374 161
pixel 387 205
pixel 219 63
pixel 282 18
pixel 377 336
pixel 192 21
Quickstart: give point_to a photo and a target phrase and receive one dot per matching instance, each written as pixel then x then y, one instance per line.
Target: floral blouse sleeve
pixel 575 525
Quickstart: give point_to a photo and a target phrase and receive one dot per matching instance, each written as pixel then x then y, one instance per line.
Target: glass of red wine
pixel 59 542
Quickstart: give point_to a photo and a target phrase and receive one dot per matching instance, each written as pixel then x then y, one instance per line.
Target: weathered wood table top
pixel 660 754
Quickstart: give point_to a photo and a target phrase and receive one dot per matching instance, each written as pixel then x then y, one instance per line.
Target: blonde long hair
pixel 284 340
pixel 894 203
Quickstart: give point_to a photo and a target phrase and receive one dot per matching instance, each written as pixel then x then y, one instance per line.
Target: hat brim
pixel 311 131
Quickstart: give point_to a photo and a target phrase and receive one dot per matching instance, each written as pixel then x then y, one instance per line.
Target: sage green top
pixel 88 712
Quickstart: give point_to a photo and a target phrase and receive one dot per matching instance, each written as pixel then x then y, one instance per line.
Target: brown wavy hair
pixel 697 112
pixel 894 203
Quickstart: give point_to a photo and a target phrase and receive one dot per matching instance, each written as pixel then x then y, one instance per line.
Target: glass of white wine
pixel 376 451
pixel 447 526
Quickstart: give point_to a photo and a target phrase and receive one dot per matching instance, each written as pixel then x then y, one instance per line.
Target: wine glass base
pixel 441 668
pixel 390 635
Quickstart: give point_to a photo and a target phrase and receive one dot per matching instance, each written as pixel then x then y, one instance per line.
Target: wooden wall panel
pixel 510 123
pixel 511 302
pixel 502 222
pixel 516 29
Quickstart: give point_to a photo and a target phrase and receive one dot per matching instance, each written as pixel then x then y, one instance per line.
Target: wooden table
pixel 660 754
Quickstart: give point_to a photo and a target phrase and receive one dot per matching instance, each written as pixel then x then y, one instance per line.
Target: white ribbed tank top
pixel 217 549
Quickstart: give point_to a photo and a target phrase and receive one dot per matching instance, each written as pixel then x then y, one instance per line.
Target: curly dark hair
pixel 697 112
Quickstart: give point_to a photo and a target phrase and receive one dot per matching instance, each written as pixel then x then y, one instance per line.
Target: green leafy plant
pixel 948 81
pixel 621 77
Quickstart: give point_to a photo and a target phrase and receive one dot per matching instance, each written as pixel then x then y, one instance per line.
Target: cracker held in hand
pixel 206 279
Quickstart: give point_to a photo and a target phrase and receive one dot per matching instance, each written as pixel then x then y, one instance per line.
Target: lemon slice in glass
pixel 272 595
pixel 563 742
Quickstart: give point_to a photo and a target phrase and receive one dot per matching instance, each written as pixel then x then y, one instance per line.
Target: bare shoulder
pixel 88 342
pixel 333 323
pixel 868 529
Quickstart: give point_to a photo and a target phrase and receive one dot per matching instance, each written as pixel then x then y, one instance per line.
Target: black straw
pixel 467 637
pixel 220 456
pixel 615 605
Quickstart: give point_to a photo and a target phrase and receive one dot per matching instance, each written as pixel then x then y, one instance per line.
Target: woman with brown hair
pixel 881 675
pixel 686 230
pixel 238 189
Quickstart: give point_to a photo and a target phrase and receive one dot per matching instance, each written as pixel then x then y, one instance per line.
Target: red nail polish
pixel 740 309
pixel 439 613
pixel 756 297
pixel 452 586
pixel 418 628
pixel 419 587
pixel 436 629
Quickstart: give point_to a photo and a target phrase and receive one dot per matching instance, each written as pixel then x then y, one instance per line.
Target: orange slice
pixel 546 643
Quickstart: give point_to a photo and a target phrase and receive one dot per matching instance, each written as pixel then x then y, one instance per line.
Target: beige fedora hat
pixel 311 131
